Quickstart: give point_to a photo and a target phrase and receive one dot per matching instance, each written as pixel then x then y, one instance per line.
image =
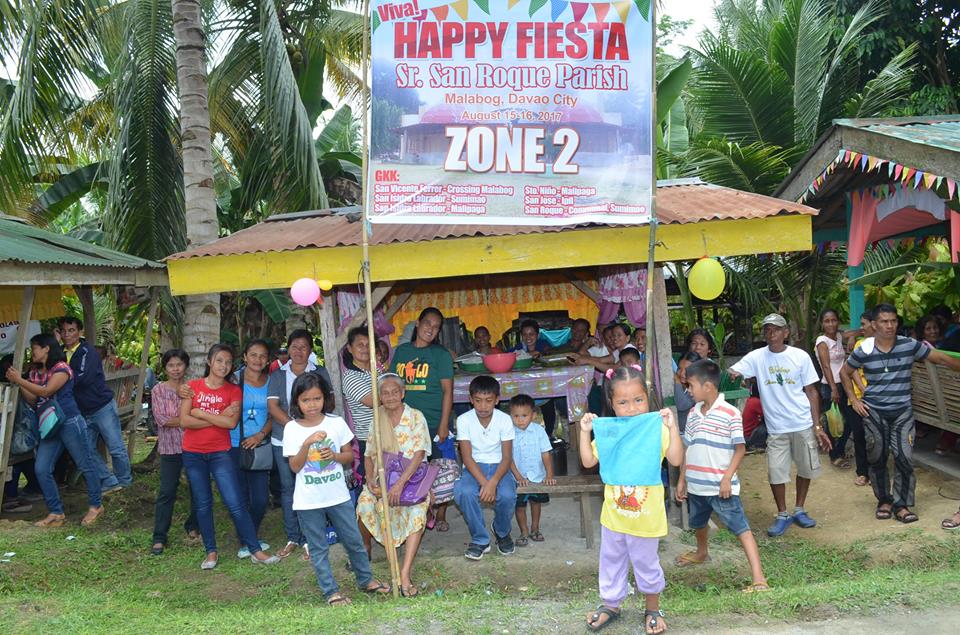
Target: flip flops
pixel 593 620
pixel 689 559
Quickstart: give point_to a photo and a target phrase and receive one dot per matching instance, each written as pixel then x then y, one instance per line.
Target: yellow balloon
pixel 706 278
pixel 324 285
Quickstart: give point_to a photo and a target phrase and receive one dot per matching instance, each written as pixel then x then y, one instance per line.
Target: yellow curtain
pixel 47 303
pixel 496 301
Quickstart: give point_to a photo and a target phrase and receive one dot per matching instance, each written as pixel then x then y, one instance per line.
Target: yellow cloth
pixel 47 303
pixel 863 378
pixel 638 510
pixel 71 351
pixel 495 301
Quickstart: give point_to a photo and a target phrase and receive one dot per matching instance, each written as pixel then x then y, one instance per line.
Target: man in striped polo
pixel 887 409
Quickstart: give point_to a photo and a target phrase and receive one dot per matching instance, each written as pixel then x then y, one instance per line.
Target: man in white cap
pixel 791 408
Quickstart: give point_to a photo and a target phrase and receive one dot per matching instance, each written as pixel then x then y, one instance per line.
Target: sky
pixel 700 11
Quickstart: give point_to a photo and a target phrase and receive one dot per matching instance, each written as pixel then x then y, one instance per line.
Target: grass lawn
pixel 104 579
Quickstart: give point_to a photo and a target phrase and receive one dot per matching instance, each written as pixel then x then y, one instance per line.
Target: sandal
pixel 53 520
pixel 841 463
pixel 409 591
pixel 861 481
pixel 756 588
pixel 536 536
pixel 652 626
pixel 906 518
pixel 593 620
pixel 156 549
pixel 288 549
pixel 193 536
pixel 91 516
pixel 883 513
pixel 306 552
pixel 443 525
pixel 378 588
pixel 521 541
pixel 689 559
pixel 951 523
pixel 338 599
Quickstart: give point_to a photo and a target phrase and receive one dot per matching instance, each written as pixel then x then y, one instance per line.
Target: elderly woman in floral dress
pixel 404 430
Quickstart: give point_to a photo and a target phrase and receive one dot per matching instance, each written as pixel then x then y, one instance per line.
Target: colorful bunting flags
pixel 601 9
pixel 462 7
pixel 623 9
pixel 865 163
pixel 557 7
pixel 579 10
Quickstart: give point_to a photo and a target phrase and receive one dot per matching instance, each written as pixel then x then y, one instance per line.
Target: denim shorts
pixel 730 511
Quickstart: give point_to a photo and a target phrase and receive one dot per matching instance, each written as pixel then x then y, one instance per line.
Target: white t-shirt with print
pixel 485 442
pixel 319 483
pixel 781 378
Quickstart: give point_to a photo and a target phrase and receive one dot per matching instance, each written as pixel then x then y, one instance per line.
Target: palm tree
pixel 93 113
pixel 201 312
pixel 772 79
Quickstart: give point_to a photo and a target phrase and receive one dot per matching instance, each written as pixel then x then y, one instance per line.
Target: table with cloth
pixel 572 382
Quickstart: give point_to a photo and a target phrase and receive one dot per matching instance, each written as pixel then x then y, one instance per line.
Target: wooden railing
pixel 936 396
pixel 123 384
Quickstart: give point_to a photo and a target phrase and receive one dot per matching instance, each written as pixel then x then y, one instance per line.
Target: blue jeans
pixel 254 490
pixel 287 480
pixel 105 423
pixel 343 517
pixel 200 467
pixel 466 493
pixel 72 436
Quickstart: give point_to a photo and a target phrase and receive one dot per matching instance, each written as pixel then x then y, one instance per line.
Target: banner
pixel 511 112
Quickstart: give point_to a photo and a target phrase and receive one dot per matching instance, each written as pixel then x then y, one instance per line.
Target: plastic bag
pixel 835 421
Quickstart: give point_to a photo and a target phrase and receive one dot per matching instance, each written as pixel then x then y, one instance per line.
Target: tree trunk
pixel 201 327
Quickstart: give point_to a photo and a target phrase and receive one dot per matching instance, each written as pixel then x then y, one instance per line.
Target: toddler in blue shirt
pixel 532 463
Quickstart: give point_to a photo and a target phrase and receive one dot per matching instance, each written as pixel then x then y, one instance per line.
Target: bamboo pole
pixel 650 355
pixel 371 334
pixel 142 373
pixel 23 327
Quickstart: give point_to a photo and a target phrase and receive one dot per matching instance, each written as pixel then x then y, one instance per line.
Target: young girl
pixel 51 378
pixel 633 518
pixel 207 419
pixel 166 412
pixel 317 445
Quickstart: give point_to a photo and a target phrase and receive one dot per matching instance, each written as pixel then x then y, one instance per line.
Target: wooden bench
pixel 580 487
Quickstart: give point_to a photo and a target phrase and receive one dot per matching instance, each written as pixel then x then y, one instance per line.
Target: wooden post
pixel 664 357
pixel 26 310
pixel 142 374
pixel 368 294
pixel 85 294
pixel 331 351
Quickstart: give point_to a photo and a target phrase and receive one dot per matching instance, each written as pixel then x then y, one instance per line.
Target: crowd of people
pixel 246 417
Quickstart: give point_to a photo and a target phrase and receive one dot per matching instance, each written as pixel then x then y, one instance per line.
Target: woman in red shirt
pixel 207 419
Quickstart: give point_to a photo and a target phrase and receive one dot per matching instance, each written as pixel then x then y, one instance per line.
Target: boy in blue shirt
pixel 485 435
pixel 532 463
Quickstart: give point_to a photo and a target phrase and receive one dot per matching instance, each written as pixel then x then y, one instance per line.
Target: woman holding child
pixel 402 430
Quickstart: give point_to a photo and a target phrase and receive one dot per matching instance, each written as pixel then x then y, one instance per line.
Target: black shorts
pixel 533 498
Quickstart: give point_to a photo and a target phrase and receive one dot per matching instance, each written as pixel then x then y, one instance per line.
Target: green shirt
pixel 421 370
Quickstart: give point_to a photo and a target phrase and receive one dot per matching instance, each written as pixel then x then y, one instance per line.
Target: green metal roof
pixel 23 243
pixel 941 132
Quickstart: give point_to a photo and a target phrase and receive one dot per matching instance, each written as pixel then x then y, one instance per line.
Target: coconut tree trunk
pixel 201 327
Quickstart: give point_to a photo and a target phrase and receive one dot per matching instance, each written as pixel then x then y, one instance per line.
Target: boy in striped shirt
pixel 708 477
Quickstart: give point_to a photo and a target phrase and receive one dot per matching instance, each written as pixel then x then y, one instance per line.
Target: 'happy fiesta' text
pixel 533 40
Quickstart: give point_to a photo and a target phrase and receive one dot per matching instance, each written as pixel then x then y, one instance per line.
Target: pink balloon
pixel 305 291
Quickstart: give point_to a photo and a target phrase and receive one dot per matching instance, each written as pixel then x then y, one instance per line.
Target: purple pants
pixel 617 552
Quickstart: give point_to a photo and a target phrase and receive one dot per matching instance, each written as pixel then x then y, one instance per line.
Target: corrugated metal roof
pixel 20 242
pixel 682 201
pixel 941 132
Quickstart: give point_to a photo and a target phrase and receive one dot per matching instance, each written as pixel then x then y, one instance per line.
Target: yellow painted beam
pixel 490 255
